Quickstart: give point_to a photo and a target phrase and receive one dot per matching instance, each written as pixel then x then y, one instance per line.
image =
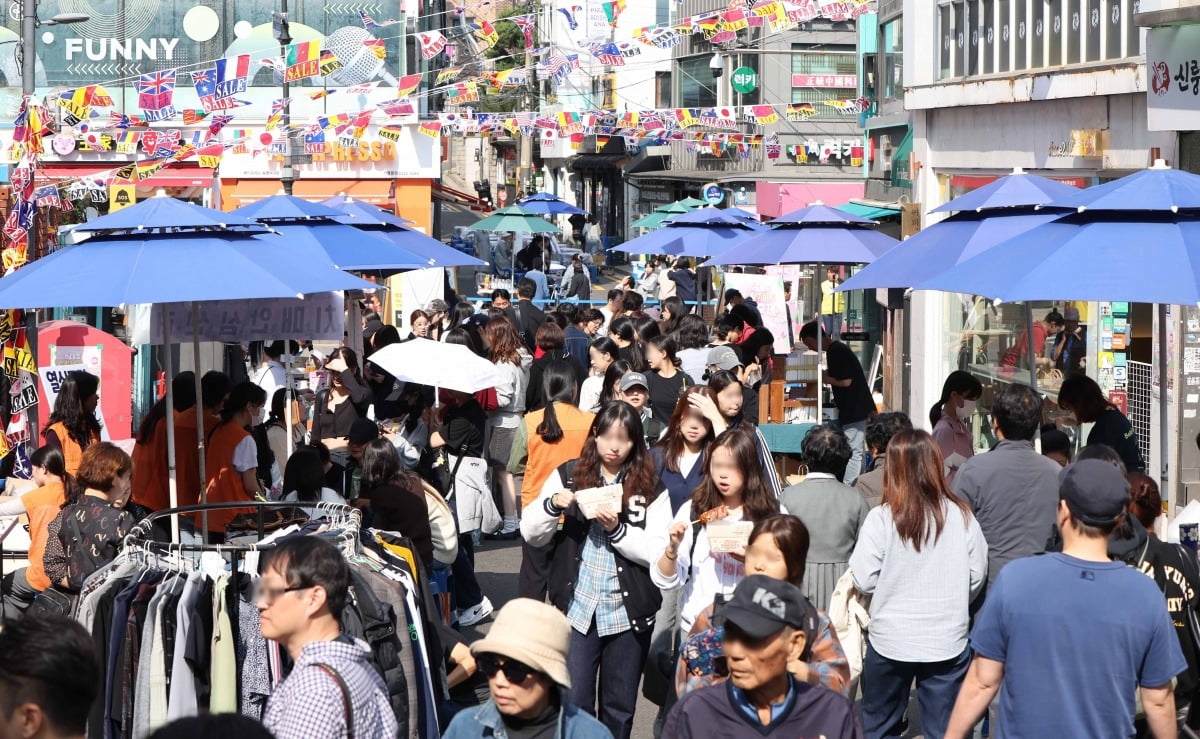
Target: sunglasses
pixel 515 672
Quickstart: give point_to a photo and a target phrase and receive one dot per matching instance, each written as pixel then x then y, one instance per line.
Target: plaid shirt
pixel 597 590
pixel 309 703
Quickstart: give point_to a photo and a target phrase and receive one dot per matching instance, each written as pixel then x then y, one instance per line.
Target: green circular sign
pixel 744 79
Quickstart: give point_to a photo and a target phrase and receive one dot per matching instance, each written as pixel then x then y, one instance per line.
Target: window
pixel 893 60
pixel 823 72
pixel 696 84
pixel 981 37
pixel 662 89
pixel 662 12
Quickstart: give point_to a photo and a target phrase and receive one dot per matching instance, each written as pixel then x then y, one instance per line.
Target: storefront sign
pixel 317 316
pixel 839 81
pixel 765 290
pixel 369 158
pixel 744 79
pixel 712 193
pixel 1087 142
pixel 828 151
pixel 1173 78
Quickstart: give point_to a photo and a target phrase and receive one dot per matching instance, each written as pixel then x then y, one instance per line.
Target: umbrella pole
pixel 172 482
pixel 1037 438
pixel 203 476
pixel 820 364
pixel 1163 408
pixel 287 405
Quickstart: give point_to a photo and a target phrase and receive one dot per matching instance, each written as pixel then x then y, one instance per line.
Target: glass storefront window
pixel 696 87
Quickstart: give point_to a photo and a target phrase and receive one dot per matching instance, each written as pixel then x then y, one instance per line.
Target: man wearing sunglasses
pixel 332 690
pixel 524 658
pixel 768 622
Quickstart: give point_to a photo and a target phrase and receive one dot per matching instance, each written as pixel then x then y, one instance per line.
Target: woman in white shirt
pixel 411 436
pixel 603 352
pixel 922 557
pixel 507 352
pixel 732 491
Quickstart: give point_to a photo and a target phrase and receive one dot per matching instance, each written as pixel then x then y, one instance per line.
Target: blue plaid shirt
pixel 597 590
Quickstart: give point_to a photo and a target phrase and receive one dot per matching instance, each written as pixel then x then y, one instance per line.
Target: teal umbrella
pixel 692 202
pixel 517 219
pixel 661 214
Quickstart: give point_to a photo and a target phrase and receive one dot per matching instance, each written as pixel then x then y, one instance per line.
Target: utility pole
pixel 526 168
pixel 288 176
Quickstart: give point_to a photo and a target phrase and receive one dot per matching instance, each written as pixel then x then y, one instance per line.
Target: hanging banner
pixel 318 316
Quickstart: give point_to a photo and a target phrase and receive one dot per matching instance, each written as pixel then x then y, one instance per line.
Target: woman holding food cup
pixel 613 526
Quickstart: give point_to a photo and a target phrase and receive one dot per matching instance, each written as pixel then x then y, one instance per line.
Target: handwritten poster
pixel 767 293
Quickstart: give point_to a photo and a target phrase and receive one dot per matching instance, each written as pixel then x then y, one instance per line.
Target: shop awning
pixel 868 211
pixel 378 192
pixel 172 176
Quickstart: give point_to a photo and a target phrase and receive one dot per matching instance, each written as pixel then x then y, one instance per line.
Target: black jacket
pixel 527 317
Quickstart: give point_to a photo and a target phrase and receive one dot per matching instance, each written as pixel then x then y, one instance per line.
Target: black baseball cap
pixel 1095 491
pixel 363 430
pixel 761 606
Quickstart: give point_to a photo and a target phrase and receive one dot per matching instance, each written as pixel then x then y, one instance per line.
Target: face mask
pixel 260 415
pixel 967 410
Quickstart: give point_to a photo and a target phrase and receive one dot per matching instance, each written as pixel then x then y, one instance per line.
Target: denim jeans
pixel 856 434
pixel 619 660
pixel 832 324
pixel 885 687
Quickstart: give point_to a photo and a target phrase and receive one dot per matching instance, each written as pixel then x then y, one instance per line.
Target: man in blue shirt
pixel 1067 638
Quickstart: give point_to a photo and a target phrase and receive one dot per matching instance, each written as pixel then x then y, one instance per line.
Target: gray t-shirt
pixel 1013 492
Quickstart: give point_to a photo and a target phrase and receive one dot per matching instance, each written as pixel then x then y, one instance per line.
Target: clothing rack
pixel 339 514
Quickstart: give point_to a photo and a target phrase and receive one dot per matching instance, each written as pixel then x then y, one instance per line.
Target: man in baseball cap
pixel 524 658
pixel 768 623
pixel 634 389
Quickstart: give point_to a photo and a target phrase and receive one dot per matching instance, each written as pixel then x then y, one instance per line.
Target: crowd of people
pixel 662 554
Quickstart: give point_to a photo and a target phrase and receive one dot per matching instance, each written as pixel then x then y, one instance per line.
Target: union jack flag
pixel 371 24
pixel 155 90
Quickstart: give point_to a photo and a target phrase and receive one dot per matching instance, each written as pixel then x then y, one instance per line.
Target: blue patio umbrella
pixel 1098 255
pixel 547 204
pixel 700 235
pixel 163 213
pixel 941 246
pixel 712 217
pixel 1158 188
pixel 1014 190
pixel 314 226
pixel 362 213
pixel 817 234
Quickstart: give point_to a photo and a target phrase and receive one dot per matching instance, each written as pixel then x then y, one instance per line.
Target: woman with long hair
pixel 304 481
pixel 1081 396
pixel 951 418
pixel 411 437
pixel 599 565
pixel 395 496
pixel 778 548
pixel 667 381
pixel 341 404
pixel 73 425
pixel 612 377
pixel 91 527
pixel 692 336
pixel 549 339
pixel 671 314
pixel 277 430
pixel 507 352
pixel 42 504
pixel 725 408
pixel 547 437
pixel 732 491
pixel 602 353
pixel 680 455
pixel 623 333
pixel 231 464
pixel 833 511
pixel 920 553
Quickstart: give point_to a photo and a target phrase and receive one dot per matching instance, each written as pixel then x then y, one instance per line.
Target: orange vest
pixel 39 524
pixel 187 461
pixel 545 458
pixel 71 451
pixel 150 470
pixel 224 483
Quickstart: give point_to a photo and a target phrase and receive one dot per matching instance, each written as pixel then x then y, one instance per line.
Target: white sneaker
pixel 475 613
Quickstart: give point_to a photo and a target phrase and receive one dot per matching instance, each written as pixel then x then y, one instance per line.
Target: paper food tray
pixel 606 498
pixel 728 536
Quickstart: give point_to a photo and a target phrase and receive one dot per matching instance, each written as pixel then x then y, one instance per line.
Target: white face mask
pixel 967 410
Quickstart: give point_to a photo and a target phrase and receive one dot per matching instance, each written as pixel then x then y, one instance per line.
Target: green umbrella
pixel 690 203
pixel 654 220
pixel 515 218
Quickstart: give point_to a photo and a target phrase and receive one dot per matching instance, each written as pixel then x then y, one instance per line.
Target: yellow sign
pixel 121 196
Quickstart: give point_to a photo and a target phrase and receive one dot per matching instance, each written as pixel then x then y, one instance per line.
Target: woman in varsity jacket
pixel 599 572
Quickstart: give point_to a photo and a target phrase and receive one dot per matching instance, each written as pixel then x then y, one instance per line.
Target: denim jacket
pixel 484 722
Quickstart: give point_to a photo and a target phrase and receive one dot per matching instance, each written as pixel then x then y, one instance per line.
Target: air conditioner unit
pixel 885 154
